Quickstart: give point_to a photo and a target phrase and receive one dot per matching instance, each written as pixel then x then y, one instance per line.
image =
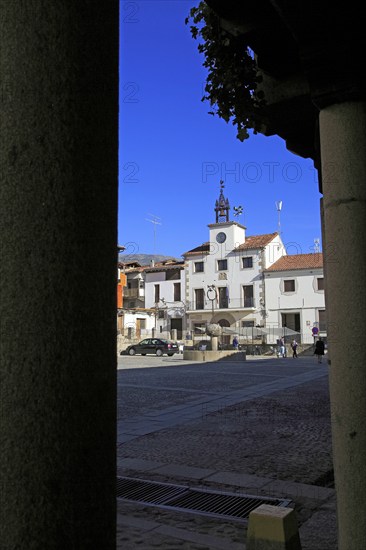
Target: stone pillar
pixel 174 334
pixel 58 272
pixel 343 145
pixel 273 528
pixel 214 343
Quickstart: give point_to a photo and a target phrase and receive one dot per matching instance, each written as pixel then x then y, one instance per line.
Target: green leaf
pixel 232 77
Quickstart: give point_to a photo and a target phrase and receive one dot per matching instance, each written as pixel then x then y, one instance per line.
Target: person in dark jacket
pixel 294 345
pixel 319 349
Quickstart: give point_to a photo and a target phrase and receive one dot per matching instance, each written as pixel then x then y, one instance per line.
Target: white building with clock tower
pixel 224 276
pixel 247 284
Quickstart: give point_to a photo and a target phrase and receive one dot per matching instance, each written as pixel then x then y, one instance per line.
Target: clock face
pixel 221 237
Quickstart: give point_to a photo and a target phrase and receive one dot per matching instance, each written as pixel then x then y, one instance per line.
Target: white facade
pixel 225 278
pixel 295 298
pixel 135 325
pixel 164 291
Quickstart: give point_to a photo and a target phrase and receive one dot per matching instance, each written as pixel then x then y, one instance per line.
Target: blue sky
pixel 173 154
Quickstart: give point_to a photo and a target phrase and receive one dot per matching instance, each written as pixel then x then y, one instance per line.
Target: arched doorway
pixel 225 338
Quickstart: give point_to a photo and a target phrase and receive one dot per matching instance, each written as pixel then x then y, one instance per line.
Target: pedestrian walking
pixel 294 345
pixel 278 348
pixel 319 349
pixel 235 343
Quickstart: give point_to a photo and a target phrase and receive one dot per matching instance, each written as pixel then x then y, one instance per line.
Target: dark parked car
pixel 156 346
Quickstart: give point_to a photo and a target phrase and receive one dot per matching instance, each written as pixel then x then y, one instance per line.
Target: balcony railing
pixel 133 292
pixel 206 305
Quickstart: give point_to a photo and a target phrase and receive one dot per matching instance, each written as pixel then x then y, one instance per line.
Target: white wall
pixel 170 307
pixel 235 277
pixel 130 319
pixel 305 300
pixel 166 287
pixel 273 252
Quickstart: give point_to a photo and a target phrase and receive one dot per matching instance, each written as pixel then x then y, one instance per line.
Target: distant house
pixel 134 289
pixel 153 299
pixel 294 289
pixel 224 277
pixel 133 320
pixel 165 288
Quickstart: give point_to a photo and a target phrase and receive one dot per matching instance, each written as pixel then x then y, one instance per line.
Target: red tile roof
pixel 135 267
pixel 257 241
pixel 298 261
pixel 202 249
pixel 164 266
pixel 251 242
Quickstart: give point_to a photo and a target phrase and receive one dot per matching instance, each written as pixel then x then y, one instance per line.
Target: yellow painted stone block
pixel 273 528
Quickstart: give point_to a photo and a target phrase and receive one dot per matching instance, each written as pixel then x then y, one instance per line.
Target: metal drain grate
pixel 198 501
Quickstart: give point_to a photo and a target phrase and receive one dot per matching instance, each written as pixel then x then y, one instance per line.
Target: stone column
pixel 343 145
pixel 214 343
pixel 58 273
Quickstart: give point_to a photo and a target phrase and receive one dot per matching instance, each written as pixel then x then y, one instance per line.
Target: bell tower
pixel 227 234
pixel 222 206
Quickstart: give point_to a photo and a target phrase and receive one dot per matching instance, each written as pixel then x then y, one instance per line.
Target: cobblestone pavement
pixel 261 427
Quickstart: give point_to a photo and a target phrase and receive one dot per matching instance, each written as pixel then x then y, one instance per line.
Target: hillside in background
pixel 145 259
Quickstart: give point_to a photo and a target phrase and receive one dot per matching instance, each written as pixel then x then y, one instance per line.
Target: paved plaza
pixel 259 427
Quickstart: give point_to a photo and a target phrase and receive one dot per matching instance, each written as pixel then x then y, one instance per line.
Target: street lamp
pixel 212 296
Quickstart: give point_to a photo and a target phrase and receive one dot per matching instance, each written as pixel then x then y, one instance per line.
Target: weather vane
pixel 238 210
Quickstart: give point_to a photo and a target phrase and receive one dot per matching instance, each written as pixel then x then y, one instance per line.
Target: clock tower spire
pixel 222 206
pixel 228 234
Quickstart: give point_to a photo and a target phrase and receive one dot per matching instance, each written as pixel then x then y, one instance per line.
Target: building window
pixel 223 297
pixel 247 262
pixel 172 274
pixel 161 314
pixel 222 265
pixel 289 285
pixel 248 296
pixel 177 292
pixel 320 283
pixel 198 267
pixel 157 293
pixel 199 298
pixel 247 324
pixel 291 321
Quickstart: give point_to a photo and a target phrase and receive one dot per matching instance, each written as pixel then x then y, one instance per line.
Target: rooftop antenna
pixel 155 221
pixel 279 208
pixel 317 245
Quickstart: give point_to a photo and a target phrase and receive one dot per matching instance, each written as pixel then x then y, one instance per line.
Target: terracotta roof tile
pixel 164 266
pixel 251 242
pixel 298 261
pixel 202 249
pixel 257 241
